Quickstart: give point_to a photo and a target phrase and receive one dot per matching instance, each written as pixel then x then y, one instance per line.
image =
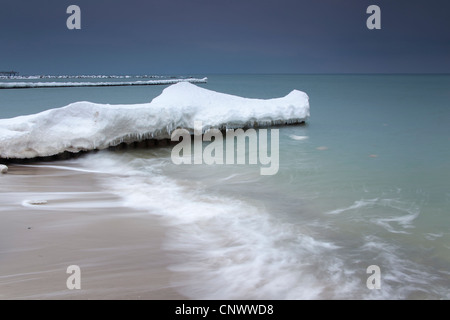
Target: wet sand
pixel 76 223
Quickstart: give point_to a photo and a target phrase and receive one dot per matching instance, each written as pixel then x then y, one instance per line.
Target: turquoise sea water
pixel 365 182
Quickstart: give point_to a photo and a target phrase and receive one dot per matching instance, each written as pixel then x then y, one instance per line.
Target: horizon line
pixel 229 73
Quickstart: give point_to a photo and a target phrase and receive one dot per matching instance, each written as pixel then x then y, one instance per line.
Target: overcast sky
pixel 224 36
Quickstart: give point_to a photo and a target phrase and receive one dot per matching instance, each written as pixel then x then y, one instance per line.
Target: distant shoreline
pixel 90 76
pixel 29 85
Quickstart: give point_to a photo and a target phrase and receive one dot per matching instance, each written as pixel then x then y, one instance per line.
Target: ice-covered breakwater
pixel 25 85
pixel 83 76
pixel 85 126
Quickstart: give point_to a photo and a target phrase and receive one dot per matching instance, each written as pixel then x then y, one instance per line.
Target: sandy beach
pixel 53 218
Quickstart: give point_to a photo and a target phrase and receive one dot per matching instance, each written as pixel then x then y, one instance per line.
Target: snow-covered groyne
pixel 86 126
pixel 27 85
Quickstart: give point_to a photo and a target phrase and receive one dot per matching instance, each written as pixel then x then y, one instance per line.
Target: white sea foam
pixel 224 247
pixel 28 203
pixel 356 205
pixel 433 236
pixel 23 85
pixel 57 167
pixel 396 219
pixel 404 216
pixel 401 277
pixel 67 201
pixel 88 126
pixel 298 138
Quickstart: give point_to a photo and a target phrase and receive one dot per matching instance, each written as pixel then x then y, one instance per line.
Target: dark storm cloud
pixel 210 36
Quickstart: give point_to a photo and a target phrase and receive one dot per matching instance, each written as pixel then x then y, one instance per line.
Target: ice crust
pixel 85 126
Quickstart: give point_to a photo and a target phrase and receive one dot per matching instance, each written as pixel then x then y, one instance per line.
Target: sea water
pixel 365 182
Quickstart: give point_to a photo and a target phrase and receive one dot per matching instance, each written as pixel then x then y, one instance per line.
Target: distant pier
pixel 9 73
